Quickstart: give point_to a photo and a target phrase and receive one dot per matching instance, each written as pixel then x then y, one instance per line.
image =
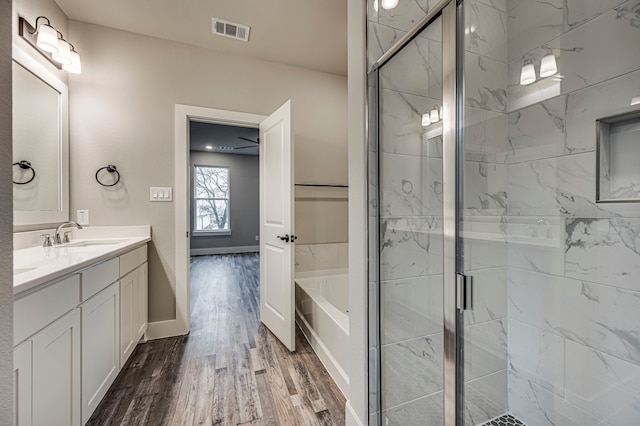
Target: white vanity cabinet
pixel 68 346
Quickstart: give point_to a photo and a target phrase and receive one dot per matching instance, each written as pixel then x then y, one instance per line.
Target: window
pixel 211 195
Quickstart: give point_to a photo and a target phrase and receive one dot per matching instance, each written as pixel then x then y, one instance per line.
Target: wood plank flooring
pixel 230 370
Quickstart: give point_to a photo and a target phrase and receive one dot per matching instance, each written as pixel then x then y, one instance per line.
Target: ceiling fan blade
pixel 250 140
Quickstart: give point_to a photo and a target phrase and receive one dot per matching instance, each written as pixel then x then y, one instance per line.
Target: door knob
pixel 284 238
pixel 294 238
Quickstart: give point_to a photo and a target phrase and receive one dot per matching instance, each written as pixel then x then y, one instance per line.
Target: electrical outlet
pixel 82 217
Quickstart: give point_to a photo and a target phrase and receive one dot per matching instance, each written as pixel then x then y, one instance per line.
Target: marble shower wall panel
pixel 485 398
pixel 578 12
pixel 485 136
pixel 602 385
pixel 489 297
pixel 379 39
pixel 485 192
pixel 412 369
pixel 410 247
pixel 537 355
pixel 605 251
pixel 533 23
pixel 428 410
pixel 486 30
pixel 401 121
pixel 486 83
pixel 485 348
pixel 609 98
pixel 537 406
pixel 538 131
pixel 317 257
pixel 599 316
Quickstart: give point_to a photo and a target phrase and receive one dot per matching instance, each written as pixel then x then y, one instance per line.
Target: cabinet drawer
pixel 37 310
pixel 133 259
pixel 99 277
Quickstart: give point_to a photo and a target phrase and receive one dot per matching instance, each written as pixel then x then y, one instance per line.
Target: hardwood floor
pixel 230 370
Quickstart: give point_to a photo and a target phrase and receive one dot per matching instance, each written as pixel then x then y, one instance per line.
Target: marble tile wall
pixel 573 264
pixel 318 257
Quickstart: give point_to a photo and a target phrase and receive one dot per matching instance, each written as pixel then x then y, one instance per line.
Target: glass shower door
pixel 410 224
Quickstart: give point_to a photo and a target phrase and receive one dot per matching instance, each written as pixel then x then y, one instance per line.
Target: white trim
pixel 324 354
pixel 183 114
pixel 224 233
pixel 224 250
pixel 351 418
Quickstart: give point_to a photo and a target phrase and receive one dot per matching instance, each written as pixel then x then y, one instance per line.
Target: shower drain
pixel 506 420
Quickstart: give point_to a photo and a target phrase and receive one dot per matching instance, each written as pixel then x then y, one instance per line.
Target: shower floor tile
pixel 506 420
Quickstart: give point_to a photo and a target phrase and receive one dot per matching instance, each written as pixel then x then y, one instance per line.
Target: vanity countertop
pixel 34 266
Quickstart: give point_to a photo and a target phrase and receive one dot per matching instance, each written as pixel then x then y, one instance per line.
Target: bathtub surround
pixel 6 222
pixel 320 257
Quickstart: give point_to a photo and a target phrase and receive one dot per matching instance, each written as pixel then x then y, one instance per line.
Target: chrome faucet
pixel 57 239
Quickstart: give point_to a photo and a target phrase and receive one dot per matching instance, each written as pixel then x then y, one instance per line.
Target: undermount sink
pixel 90 243
pixel 18 271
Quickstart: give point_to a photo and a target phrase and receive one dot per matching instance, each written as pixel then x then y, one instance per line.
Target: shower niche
pixel 618 156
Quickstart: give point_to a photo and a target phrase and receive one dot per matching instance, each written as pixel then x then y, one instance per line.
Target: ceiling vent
pixel 230 29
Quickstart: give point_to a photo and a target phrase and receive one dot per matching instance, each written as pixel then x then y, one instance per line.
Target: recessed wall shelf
pixel 617 158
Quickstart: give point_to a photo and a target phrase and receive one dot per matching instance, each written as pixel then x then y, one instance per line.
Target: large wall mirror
pixel 40 143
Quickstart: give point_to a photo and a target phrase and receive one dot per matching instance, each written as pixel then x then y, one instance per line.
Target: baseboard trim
pixel 351 418
pixel 224 250
pixel 163 329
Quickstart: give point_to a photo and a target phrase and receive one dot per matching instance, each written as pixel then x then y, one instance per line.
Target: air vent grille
pixel 230 29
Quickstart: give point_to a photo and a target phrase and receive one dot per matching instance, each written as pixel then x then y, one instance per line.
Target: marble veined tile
pixel 406 14
pixel 485 242
pixel 485 30
pixel 405 310
pixel 410 186
pixel 401 129
pixel 412 369
pixel 485 398
pixel 604 386
pixel 585 106
pixel 486 83
pixel 561 186
pixel 489 296
pixel 606 251
pixel 537 131
pixel 534 405
pixel 485 136
pixel 416 69
pixel 533 23
pixel 577 12
pixel 537 244
pixel 428 410
pixel 410 247
pixel 537 355
pixel 501 5
pixel 599 316
pixel 485 348
pixel 315 257
pixel 485 188
pixel 379 39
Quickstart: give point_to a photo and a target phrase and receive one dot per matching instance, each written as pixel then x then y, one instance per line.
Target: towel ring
pixel 25 165
pixel 111 169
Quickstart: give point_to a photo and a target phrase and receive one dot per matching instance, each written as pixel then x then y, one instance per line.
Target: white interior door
pixel 276 226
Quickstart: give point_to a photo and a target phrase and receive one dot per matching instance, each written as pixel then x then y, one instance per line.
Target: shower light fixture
pixel 389 4
pixel 426 119
pixel 528 73
pixel 548 66
pixel 50 43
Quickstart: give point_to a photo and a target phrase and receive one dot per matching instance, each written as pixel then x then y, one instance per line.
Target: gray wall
pixel 122 112
pixel 6 220
pixel 244 186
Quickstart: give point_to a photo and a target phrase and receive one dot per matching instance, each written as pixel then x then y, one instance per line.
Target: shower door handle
pixel 284 238
pixel 464 292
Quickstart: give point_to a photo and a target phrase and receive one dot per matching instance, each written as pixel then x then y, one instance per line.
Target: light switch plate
pixel 82 216
pixel 161 193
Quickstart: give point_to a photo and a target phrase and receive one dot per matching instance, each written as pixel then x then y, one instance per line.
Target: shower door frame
pixel 453 107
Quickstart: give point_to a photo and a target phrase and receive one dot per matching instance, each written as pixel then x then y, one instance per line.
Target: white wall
pixel 6 221
pixel 122 112
pixel 357 405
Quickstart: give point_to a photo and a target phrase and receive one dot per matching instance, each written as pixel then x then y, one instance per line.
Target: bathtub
pixel 322 314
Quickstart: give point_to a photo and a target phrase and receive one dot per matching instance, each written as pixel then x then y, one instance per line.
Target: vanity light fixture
pixel 389 4
pixel 426 119
pixel 434 115
pixel 635 101
pixel 548 66
pixel 50 43
pixel 528 73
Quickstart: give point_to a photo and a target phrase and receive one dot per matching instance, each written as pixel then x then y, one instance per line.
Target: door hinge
pixel 464 292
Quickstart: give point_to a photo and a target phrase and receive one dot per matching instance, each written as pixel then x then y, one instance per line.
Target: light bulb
pixel 47 39
pixel 528 73
pixel 63 56
pixel 388 4
pixel 375 5
pixel 548 66
pixel 75 66
pixel 635 101
pixel 426 120
pixel 435 115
